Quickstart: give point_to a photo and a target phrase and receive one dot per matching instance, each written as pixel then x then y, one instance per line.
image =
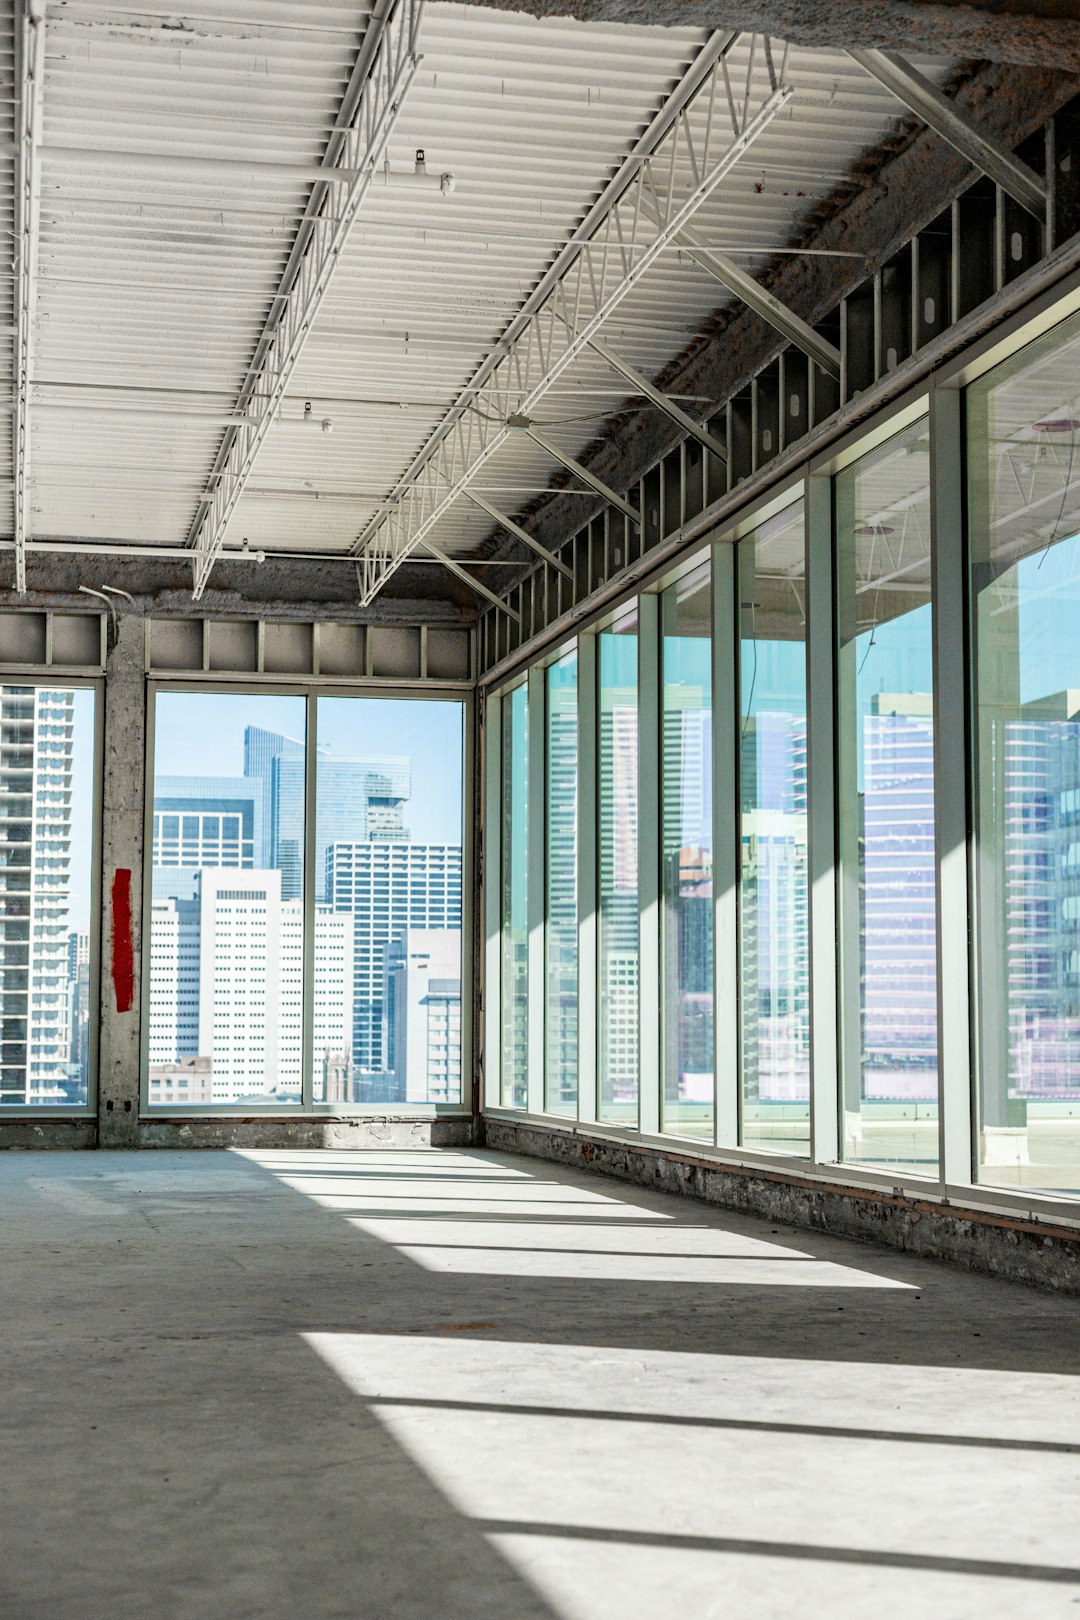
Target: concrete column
pixel 122 833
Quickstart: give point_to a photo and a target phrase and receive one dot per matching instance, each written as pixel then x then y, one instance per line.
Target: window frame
pixel 311 690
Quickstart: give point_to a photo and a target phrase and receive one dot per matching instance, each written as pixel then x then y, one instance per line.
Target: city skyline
pixel 235 828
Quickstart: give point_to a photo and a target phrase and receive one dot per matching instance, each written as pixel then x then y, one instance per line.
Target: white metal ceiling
pixel 155 276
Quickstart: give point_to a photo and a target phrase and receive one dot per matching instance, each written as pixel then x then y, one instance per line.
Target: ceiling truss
pixel 666 180
pixel 391 60
pixel 29 90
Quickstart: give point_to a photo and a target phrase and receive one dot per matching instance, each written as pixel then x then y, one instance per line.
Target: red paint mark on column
pixel 123 952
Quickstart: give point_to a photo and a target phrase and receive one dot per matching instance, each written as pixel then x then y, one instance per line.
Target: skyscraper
pixel 204 821
pixel 227 987
pixel 261 749
pixel 78 989
pixel 422 999
pixel 774 945
pixel 899 1037
pixel 357 797
pixel 388 887
pixel 36 732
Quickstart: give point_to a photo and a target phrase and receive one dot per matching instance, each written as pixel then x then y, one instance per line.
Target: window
pixel 1023 430
pixel 226 935
pixel 45 905
pixel 686 855
pixel 561 886
pixel 388 782
pixel 885 735
pixel 774 938
pixel 514 897
pixel 274 980
pixel 617 935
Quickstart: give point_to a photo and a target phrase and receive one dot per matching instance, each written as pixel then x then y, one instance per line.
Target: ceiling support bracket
pixel 473 583
pixel 941 114
pixel 762 302
pixel 584 473
pixel 641 385
pixel 518 532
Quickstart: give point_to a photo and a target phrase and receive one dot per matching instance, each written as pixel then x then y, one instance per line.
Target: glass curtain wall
pixel 47 797
pixel 561 935
pixel 687 855
pixel 514 886
pixel 1012 656
pixel 1023 440
pixel 240 927
pixel 885 741
pixel 774 939
pixel 618 937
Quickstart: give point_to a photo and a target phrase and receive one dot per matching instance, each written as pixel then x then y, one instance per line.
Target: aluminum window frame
pixel 311 689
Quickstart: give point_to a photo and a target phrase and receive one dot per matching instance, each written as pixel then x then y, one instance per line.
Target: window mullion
pixel 821 766
pixel 587 876
pixel 951 787
pixel 725 789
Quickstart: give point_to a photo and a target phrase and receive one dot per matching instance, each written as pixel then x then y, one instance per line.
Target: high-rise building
pixel 1036 911
pixel 619 920
pixel 775 939
pixel 202 821
pixel 78 990
pixel 899 1036
pixel 261 749
pixel 387 887
pixel 36 743
pixel 561 943
pixel 422 1001
pixel 227 986
pixel 361 797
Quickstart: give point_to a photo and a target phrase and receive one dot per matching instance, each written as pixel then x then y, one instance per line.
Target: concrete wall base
pixel 1016 1249
pixel 253 1132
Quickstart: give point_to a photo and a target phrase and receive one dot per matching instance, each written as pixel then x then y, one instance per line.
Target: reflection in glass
pixel 617 935
pixel 774 941
pixel 888 988
pixel 561 886
pixel 514 888
pixel 388 786
pixel 227 923
pixel 1024 538
pixel 46 837
pixel 686 874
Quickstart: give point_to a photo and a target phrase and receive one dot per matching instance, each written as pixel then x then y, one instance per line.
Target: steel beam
pixel 936 110
pixel 761 301
pixel 642 385
pixel 29 95
pixel 678 164
pixel 597 484
pixel 482 590
pixel 518 532
pixel 389 60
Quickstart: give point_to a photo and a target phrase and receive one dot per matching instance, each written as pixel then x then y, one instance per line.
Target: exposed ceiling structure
pixel 356 281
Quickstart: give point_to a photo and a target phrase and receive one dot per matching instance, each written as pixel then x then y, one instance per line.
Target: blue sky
pixel 202 733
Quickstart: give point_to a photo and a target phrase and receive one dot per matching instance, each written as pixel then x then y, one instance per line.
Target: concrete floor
pixel 458 1385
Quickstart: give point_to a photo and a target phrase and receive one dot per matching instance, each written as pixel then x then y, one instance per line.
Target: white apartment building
pixel 387 886
pixel 423 1014
pixel 227 984
pixel 36 732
